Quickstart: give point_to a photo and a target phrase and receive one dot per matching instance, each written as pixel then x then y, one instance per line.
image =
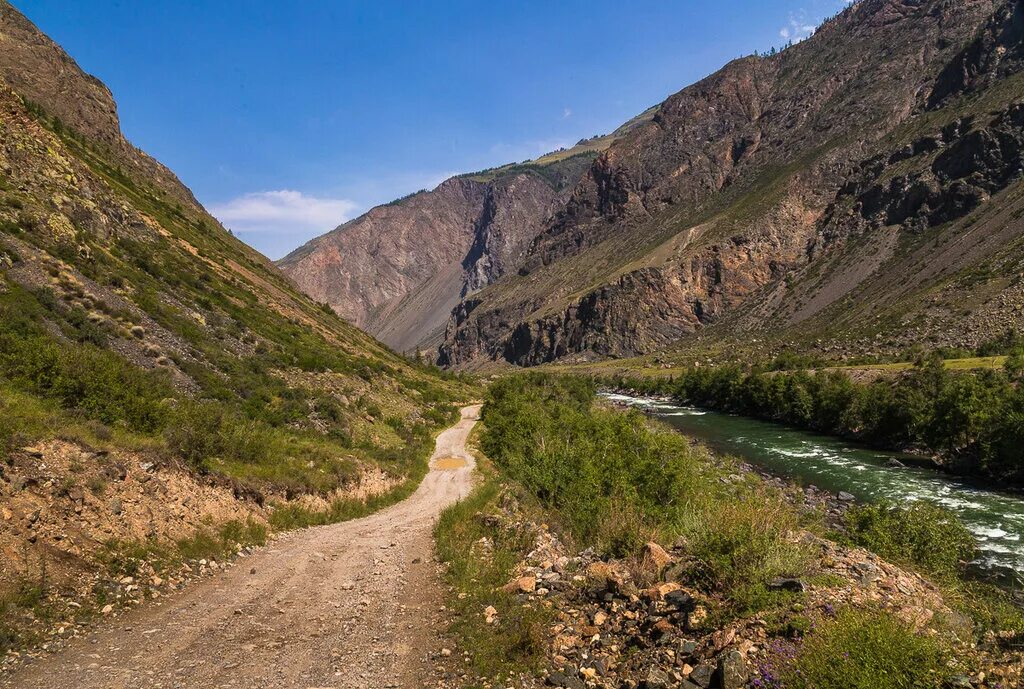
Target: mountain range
pixel 858 191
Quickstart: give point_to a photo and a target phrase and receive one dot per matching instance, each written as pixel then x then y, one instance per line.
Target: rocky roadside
pixel 70 614
pixel 86 534
pixel 642 624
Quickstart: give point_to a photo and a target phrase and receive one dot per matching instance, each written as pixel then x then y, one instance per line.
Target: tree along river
pixel 996 519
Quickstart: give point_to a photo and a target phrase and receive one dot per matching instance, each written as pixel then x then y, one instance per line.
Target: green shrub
pixel 98 383
pixel 194 432
pixel 21 602
pixel 292 516
pixel 990 607
pixel 223 542
pixel 923 535
pixel 616 480
pixel 204 430
pixel 741 546
pixel 866 649
pixel 591 466
pixel 8 430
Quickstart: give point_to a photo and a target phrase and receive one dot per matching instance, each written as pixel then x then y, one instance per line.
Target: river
pixel 996 519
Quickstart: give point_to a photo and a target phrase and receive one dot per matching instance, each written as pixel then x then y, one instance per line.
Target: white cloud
pixel 567 113
pixel 284 211
pixel 802 23
pixel 799 27
pixel 802 26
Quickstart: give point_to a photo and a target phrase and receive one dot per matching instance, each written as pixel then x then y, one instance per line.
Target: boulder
pixel 560 679
pixel 662 628
pixel 656 593
pixel 656 556
pixel 680 600
pixel 608 577
pixel 656 679
pixel 732 670
pixel 787 584
pixel 524 584
pixel 702 675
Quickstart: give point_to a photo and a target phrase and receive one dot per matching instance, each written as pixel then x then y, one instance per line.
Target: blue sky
pixel 287 118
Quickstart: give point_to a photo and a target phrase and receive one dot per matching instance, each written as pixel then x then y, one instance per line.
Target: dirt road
pixel 347 605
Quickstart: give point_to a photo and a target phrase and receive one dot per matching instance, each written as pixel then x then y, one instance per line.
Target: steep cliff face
pixel 398 270
pixel 369 262
pixel 746 180
pixel 51 81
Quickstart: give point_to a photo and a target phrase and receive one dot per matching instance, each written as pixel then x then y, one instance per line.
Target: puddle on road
pixel 449 463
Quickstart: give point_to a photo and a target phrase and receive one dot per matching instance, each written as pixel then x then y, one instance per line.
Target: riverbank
pixel 652 563
pixel 833 466
pixel 963 421
pixel 832 506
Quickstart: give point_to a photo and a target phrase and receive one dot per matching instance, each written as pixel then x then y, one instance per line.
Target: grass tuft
pixel 864 649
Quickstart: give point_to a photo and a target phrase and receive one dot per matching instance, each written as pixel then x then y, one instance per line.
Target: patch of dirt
pixel 449 463
pixel 59 502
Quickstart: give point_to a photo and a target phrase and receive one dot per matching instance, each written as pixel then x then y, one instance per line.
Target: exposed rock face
pixel 38 68
pixel 377 259
pixel 398 270
pixel 40 71
pixel 951 174
pixel 997 51
pixel 512 213
pixel 757 173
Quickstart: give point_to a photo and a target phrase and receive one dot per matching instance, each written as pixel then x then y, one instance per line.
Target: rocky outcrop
pixel 997 51
pixel 754 172
pixel 642 310
pixel 512 214
pixel 46 76
pixel 398 270
pixel 951 173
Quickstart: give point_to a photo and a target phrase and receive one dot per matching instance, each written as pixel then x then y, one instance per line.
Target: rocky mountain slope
pixel 156 374
pixel 400 269
pixel 859 185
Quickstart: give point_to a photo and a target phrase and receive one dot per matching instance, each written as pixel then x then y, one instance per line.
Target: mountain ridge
pixel 726 189
pixel 399 269
pixel 707 211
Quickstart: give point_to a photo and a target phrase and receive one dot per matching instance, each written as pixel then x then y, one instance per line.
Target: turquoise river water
pixel 996 519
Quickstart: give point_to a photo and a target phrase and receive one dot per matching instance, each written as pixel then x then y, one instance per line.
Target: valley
pixel 729 397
